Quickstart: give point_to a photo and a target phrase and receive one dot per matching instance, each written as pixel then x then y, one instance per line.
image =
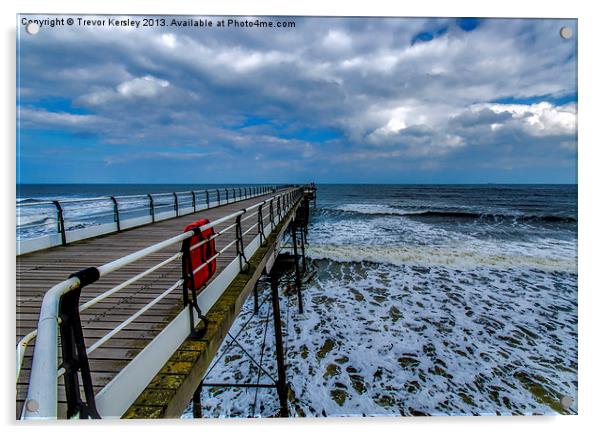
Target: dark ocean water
pixel 427 299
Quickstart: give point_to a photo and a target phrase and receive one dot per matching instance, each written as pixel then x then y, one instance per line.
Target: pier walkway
pixel 137 358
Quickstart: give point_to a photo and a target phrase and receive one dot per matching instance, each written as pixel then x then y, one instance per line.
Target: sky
pixel 332 100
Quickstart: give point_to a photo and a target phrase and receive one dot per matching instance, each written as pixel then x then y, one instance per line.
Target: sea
pixel 419 300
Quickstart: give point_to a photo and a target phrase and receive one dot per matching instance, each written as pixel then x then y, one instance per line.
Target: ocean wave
pixel 387 210
pixel 34 220
pixel 458 257
pixel 373 209
pixel 488 216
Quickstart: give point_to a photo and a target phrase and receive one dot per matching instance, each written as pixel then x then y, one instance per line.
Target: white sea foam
pixel 388 340
pixel 461 257
pixel 374 209
pixel 399 241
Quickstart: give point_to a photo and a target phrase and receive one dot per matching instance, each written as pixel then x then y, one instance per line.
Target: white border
pixel 589 208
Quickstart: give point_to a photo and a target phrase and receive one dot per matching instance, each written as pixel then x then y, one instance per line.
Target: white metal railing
pixel 46 223
pixel 114 399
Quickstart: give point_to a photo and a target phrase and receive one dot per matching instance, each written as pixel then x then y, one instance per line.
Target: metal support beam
pixel 303 239
pixel 255 299
pixel 197 408
pixel 297 273
pixel 281 386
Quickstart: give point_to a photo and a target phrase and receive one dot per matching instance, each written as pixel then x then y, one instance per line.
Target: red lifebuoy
pixel 196 254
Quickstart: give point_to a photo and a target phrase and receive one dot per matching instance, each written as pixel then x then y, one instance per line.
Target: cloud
pixel 541 119
pixel 174 156
pixel 388 94
pixel 40 118
pixel 141 87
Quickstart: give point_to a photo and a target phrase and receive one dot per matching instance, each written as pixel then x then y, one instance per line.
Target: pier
pixel 110 321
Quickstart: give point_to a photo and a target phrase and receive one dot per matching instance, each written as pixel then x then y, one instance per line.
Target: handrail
pixel 42 392
pixel 92 217
pixel 36 202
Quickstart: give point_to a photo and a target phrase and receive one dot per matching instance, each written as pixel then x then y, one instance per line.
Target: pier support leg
pixel 281 386
pixel 197 411
pixel 297 273
pixel 255 299
pixel 303 241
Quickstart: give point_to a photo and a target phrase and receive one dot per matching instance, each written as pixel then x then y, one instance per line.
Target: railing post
pixel 234 194
pixel 240 247
pixel 175 206
pixel 73 348
pixel 193 201
pixel 227 198
pixel 207 197
pixel 151 207
pixel 272 213
pixel 61 222
pixel 262 237
pixel 116 213
pixel 218 201
pixel 246 197
pixel 189 290
pixel 240 192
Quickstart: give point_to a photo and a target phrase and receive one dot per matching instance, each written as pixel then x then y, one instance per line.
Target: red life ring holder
pixel 196 254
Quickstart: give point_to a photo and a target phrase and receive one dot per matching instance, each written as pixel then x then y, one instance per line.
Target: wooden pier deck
pixel 38 271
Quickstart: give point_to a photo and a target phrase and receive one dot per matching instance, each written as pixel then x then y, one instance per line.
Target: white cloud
pixel 169 40
pixel 42 118
pixel 337 41
pixel 140 87
pixel 146 87
pixel 540 119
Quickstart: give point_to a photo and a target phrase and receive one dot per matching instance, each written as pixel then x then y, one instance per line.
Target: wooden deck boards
pixel 39 271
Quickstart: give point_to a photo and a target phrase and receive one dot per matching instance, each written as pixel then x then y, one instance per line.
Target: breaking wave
pixel 459 257
pixel 384 210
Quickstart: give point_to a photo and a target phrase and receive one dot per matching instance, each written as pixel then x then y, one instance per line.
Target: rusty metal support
pixel 297 272
pixel 281 385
